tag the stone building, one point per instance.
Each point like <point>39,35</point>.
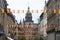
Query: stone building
<point>42,26</point>
<point>53,20</point>
<point>28,28</point>
<point>10,24</point>
<point>5,19</point>
<point>28,25</point>
<point>3,5</point>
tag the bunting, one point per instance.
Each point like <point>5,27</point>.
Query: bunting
<point>2,11</point>
<point>8,11</point>
<point>44,11</point>
<point>13,11</point>
<point>32,11</point>
<point>55,11</point>
<point>59,11</point>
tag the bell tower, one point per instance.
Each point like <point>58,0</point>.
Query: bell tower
<point>28,25</point>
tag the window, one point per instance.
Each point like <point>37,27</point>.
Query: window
<point>0,1</point>
<point>58,37</point>
<point>55,0</point>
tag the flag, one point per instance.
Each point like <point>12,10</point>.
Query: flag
<point>2,10</point>
<point>44,11</point>
<point>32,11</point>
<point>8,10</point>
<point>55,11</point>
<point>41,11</point>
<point>22,11</point>
<point>59,11</point>
<point>13,11</point>
<point>46,26</point>
<point>18,11</point>
<point>37,11</point>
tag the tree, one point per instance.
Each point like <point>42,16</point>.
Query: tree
<point>22,38</point>
<point>38,38</point>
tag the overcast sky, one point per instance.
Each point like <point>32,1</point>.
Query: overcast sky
<point>23,5</point>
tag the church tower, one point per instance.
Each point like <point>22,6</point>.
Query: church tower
<point>28,25</point>
<point>28,17</point>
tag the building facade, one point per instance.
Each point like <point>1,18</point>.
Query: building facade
<point>3,5</point>
<point>42,26</point>
<point>53,20</point>
<point>28,28</point>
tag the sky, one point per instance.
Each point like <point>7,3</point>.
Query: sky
<point>23,5</point>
